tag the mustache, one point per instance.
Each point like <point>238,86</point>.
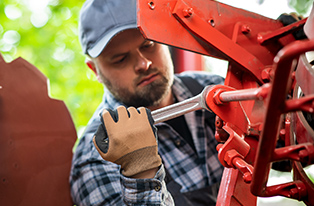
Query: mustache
<point>145,73</point>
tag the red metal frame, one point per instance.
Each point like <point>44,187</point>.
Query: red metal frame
<point>252,107</point>
<point>283,66</point>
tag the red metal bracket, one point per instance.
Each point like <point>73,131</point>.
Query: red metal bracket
<point>211,36</point>
<point>294,190</point>
<point>277,97</point>
<point>267,36</point>
<point>228,111</point>
<point>212,28</point>
<point>303,153</point>
<point>232,153</point>
<point>304,104</point>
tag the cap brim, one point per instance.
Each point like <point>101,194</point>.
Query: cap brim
<point>102,43</point>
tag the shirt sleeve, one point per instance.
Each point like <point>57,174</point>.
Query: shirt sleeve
<point>95,181</point>
<point>147,191</point>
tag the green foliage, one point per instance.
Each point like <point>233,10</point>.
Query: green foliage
<point>44,32</point>
<point>301,6</point>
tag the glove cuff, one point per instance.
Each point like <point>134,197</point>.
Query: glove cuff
<point>139,161</point>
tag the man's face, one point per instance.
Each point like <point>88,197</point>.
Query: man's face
<point>136,71</point>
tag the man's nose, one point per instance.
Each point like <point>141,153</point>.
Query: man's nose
<point>142,63</point>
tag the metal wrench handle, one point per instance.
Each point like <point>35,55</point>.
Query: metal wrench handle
<point>180,108</point>
<point>174,110</point>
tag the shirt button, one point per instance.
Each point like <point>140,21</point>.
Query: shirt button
<point>178,142</point>
<point>157,188</point>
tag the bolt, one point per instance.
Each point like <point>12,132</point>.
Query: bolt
<point>282,133</point>
<point>219,146</point>
<point>266,74</point>
<point>212,22</point>
<point>151,5</point>
<point>245,29</point>
<point>216,96</point>
<point>260,38</point>
<point>247,177</point>
<point>219,123</point>
<point>188,12</point>
<point>294,193</point>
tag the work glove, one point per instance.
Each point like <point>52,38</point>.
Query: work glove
<point>128,138</point>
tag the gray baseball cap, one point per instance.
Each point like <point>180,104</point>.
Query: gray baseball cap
<point>101,20</point>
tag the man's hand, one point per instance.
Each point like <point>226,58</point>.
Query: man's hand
<point>128,137</point>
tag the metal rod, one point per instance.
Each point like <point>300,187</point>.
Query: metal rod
<point>245,94</point>
<point>180,108</point>
<point>177,109</point>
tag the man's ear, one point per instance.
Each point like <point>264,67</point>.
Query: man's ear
<point>92,66</point>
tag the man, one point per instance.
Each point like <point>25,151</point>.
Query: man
<point>139,73</point>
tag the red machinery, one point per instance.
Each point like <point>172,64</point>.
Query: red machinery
<point>268,91</point>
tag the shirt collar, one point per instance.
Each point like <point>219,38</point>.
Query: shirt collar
<point>110,100</point>
<point>180,91</point>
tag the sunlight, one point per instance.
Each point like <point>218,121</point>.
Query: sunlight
<point>269,8</point>
<point>12,12</point>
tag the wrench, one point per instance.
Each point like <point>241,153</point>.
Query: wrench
<point>189,105</point>
<point>169,112</point>
<point>199,102</point>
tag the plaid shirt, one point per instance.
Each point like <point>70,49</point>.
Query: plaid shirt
<point>95,181</point>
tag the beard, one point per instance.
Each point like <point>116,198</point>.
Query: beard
<point>148,96</point>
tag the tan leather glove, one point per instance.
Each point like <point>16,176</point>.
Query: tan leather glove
<point>127,137</point>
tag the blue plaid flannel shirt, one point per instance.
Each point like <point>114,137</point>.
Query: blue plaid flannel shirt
<point>95,181</point>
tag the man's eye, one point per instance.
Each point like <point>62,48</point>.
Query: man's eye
<point>120,60</point>
<point>149,44</point>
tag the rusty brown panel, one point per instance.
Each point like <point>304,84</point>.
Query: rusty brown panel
<point>36,139</point>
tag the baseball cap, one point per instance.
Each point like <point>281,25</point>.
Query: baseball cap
<point>101,20</point>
